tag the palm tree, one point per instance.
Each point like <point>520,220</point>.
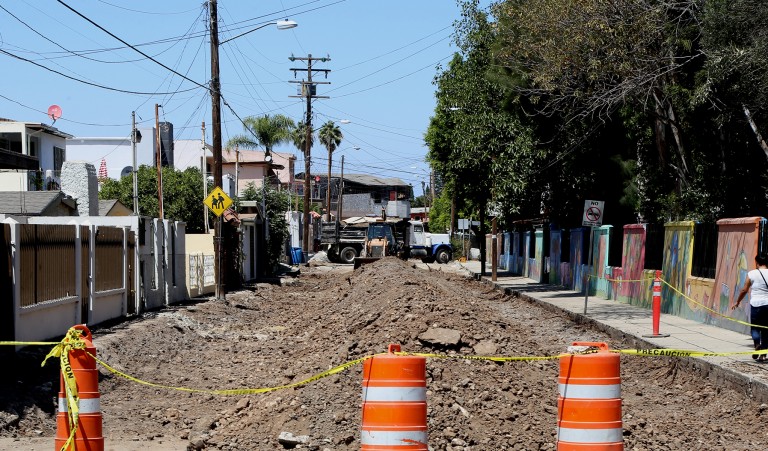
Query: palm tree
<point>266,130</point>
<point>330,136</point>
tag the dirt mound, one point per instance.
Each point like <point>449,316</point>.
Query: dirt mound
<point>279,335</point>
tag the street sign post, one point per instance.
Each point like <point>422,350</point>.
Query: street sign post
<point>592,217</point>
<point>218,202</point>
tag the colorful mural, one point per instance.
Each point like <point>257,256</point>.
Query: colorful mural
<point>537,262</point>
<point>632,262</point>
<point>526,252</point>
<point>737,244</point>
<point>515,264</point>
<point>676,266</point>
<point>555,252</point>
<point>600,245</point>
<point>577,257</point>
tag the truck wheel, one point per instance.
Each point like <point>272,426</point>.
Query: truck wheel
<point>347,255</point>
<point>443,256</point>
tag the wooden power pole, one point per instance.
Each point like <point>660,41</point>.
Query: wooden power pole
<point>308,91</point>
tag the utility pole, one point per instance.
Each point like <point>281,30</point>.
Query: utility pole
<point>135,168</point>
<point>308,91</point>
<point>219,246</point>
<point>158,149</point>
<point>205,183</point>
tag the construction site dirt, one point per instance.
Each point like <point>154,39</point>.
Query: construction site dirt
<point>278,335</point>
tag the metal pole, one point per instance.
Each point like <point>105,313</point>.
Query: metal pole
<point>135,168</point>
<point>588,269</point>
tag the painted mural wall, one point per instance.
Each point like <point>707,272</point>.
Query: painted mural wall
<point>537,263</point>
<point>737,244</point>
<point>555,255</point>
<point>578,259</point>
<point>602,239</point>
<point>676,266</point>
<point>632,262</point>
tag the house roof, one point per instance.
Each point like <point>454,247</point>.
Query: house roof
<point>372,180</point>
<point>113,206</point>
<point>32,203</point>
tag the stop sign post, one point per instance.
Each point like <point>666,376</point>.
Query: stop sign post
<point>592,217</point>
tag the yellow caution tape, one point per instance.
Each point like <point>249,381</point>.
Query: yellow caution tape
<point>481,357</point>
<point>683,352</point>
<point>645,279</point>
<point>714,312</point>
<point>238,391</point>
<point>72,340</point>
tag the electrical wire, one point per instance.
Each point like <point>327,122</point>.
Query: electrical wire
<point>109,88</point>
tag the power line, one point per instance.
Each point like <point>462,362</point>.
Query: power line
<point>109,88</point>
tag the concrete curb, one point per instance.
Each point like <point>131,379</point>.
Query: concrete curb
<point>715,373</point>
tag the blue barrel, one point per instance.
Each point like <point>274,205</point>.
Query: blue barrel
<point>297,256</point>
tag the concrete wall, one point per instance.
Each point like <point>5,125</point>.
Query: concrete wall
<point>199,255</point>
<point>676,266</point>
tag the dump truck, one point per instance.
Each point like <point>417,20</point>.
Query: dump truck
<point>342,241</point>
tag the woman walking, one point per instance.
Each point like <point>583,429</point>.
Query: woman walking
<point>757,287</point>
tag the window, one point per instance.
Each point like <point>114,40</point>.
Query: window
<point>10,142</point>
<point>58,158</point>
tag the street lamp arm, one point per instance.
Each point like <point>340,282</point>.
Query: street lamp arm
<point>281,25</point>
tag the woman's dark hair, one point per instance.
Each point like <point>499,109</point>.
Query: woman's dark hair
<point>761,259</point>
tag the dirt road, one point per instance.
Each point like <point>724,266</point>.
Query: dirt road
<point>278,335</point>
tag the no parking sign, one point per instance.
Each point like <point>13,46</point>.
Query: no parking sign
<point>593,213</point>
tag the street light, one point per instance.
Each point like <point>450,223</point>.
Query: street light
<point>281,25</point>
<point>220,239</point>
<point>135,138</point>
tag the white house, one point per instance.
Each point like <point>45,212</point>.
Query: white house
<point>31,156</point>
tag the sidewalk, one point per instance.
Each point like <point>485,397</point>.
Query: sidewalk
<point>624,321</point>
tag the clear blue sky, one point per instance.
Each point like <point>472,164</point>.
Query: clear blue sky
<point>383,60</point>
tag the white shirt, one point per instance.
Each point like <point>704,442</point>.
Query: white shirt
<point>758,295</point>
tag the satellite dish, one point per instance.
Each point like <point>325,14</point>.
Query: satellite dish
<point>126,171</point>
<point>54,112</point>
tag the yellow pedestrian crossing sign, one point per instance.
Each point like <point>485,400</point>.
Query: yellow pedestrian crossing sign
<point>218,201</point>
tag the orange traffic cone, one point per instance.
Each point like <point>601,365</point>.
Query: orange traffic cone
<point>394,402</point>
<point>88,434</point>
<point>589,404</point>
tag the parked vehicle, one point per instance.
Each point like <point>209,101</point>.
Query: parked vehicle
<point>342,241</point>
<point>430,247</point>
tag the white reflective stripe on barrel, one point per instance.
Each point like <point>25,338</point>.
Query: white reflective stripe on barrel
<point>393,438</point>
<point>614,435</point>
<point>88,405</point>
<point>574,391</point>
<point>395,394</point>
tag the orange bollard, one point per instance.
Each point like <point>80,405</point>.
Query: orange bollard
<point>589,403</point>
<point>88,435</point>
<point>394,402</point>
<point>656,306</point>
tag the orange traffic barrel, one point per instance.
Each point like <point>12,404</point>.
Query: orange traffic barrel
<point>88,435</point>
<point>589,401</point>
<point>394,402</point>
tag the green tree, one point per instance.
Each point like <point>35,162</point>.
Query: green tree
<point>267,131</point>
<point>182,194</point>
<point>276,203</point>
<point>329,136</point>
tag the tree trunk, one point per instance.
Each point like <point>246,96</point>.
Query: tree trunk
<point>758,136</point>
